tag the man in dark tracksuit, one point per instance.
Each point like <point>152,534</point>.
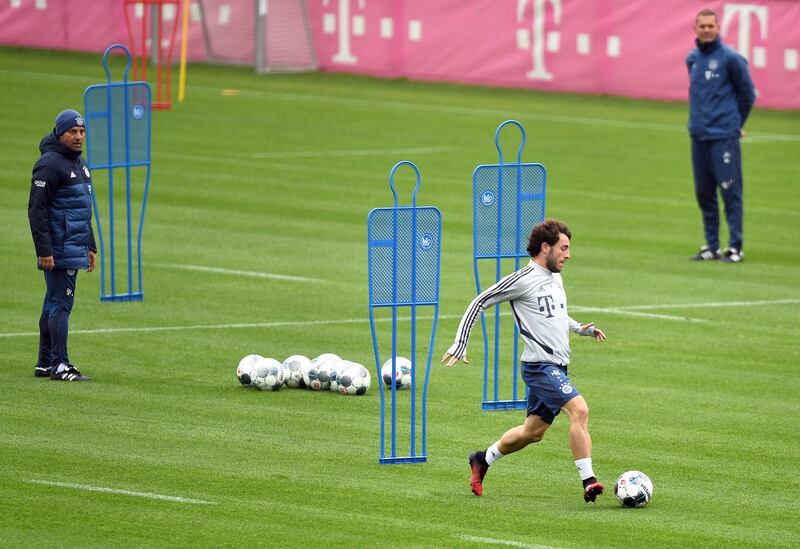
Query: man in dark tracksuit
<point>60,215</point>
<point>721,95</point>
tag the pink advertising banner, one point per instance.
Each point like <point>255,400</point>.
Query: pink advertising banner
<point>633,48</point>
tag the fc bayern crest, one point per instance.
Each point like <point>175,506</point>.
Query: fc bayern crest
<point>487,198</point>
<point>137,112</point>
<point>425,241</point>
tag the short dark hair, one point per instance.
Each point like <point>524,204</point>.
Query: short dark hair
<point>705,12</point>
<point>548,232</point>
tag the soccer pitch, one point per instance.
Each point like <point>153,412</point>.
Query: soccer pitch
<point>253,193</point>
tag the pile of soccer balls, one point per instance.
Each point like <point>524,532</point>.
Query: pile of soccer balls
<point>326,372</point>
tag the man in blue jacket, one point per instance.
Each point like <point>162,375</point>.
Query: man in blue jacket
<point>60,215</point>
<point>721,95</point>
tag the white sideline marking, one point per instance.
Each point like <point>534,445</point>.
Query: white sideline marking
<point>623,311</point>
<point>148,495</point>
<point>512,543</point>
<point>711,305</point>
<point>752,137</point>
<point>256,274</point>
<point>340,153</point>
<point>284,324</point>
<point>308,167</point>
<point>444,109</point>
<point>147,329</point>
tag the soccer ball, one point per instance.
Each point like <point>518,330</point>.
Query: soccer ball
<point>295,366</point>
<point>352,379</point>
<point>267,375</point>
<point>334,380</point>
<point>402,373</point>
<point>633,489</point>
<point>245,367</point>
<point>335,375</point>
<point>323,369</point>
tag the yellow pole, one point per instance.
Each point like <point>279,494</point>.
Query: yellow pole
<point>184,47</point>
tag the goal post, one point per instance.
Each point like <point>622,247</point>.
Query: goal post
<point>271,35</point>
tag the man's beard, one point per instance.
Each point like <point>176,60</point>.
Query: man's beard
<point>552,264</point>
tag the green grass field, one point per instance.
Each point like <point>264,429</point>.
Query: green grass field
<point>697,385</point>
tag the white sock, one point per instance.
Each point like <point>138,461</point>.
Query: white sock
<point>493,453</point>
<point>60,368</point>
<point>584,468</point>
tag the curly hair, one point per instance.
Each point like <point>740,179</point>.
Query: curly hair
<point>548,231</point>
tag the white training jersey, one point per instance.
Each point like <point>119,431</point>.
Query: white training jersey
<point>539,305</point>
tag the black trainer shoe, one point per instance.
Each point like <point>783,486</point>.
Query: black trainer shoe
<point>70,373</point>
<point>591,491</point>
<point>732,255</point>
<point>42,371</point>
<point>478,468</point>
<point>705,254</point>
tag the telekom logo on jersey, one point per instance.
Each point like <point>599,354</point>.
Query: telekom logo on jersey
<point>539,32</point>
<point>546,302</point>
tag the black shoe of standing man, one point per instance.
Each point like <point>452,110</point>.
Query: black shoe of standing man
<point>67,372</point>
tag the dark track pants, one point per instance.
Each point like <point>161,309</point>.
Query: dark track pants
<point>718,163</point>
<point>54,320</point>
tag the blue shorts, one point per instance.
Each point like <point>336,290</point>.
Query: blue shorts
<point>549,389</point>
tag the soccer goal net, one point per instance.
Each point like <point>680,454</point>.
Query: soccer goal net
<point>271,35</point>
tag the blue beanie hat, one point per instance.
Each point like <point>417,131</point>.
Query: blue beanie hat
<point>67,119</point>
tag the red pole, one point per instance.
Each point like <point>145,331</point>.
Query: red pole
<point>171,49</point>
<point>162,101</point>
<point>157,43</point>
<point>143,55</point>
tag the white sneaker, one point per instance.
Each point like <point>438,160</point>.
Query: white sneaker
<point>732,255</point>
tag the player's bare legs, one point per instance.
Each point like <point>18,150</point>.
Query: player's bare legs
<point>579,440</point>
<point>512,440</point>
<point>520,436</point>
<point>581,444</point>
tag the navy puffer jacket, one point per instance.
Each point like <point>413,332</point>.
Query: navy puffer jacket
<point>60,206</point>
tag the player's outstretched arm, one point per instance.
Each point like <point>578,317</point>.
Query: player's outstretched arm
<point>506,289</point>
<point>449,358</point>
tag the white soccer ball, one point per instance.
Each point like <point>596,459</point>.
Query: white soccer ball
<point>268,375</point>
<point>402,373</point>
<point>245,368</point>
<point>334,378</point>
<point>296,366</point>
<point>323,368</point>
<point>633,489</point>
<point>352,379</point>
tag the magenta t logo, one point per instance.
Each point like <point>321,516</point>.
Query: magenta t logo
<point>744,12</point>
<point>535,38</point>
<point>347,27</point>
